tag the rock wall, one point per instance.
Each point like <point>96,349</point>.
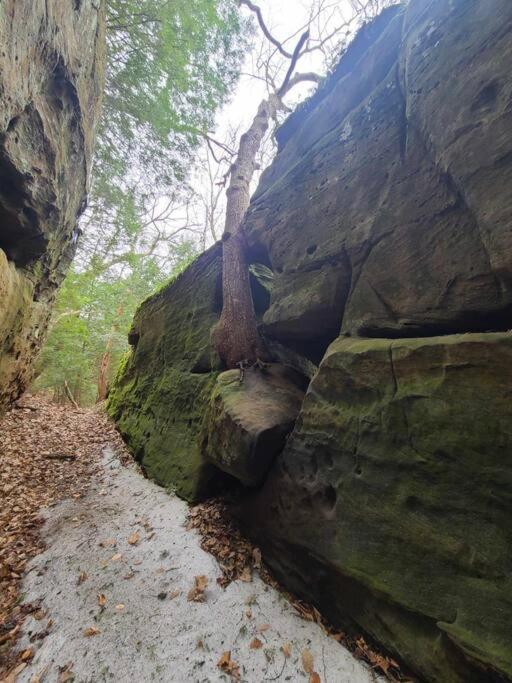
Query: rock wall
<point>51,79</point>
<point>386,219</point>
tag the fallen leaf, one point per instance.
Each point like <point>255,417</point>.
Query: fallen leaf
<point>255,644</point>
<point>314,678</point>
<point>108,543</point>
<point>134,538</point>
<point>120,606</point>
<point>263,628</point>
<point>196,593</point>
<point>81,578</point>
<point>91,631</point>
<point>14,673</point>
<point>26,655</point>
<point>102,599</point>
<point>174,594</point>
<point>65,673</point>
<point>116,557</point>
<point>307,661</point>
<point>230,667</point>
<point>286,649</point>
<point>246,575</point>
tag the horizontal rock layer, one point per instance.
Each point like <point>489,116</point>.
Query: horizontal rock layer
<point>51,79</point>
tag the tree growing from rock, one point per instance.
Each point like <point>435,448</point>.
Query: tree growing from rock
<point>236,336</point>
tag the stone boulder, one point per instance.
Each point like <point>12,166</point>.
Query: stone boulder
<point>248,420</point>
<point>51,80</point>
<point>390,506</point>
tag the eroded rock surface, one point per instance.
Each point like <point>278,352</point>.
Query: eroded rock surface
<point>387,211</point>
<point>248,419</point>
<point>391,502</point>
<point>51,80</point>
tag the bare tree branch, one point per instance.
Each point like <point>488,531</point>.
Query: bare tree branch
<point>257,11</point>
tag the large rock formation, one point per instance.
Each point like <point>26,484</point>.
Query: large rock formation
<point>164,386</point>
<point>391,503</point>
<point>386,219</point>
<point>51,80</point>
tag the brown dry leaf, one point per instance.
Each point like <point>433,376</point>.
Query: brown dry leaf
<point>134,538</point>
<point>120,606</point>
<point>246,575</point>
<point>38,678</point>
<point>196,593</point>
<point>314,678</point>
<point>263,628</point>
<point>91,631</point>
<point>248,613</point>
<point>109,543</point>
<point>307,661</point>
<point>14,673</point>
<point>66,674</point>
<point>255,644</point>
<point>174,594</point>
<point>27,655</point>
<point>81,578</point>
<point>102,599</point>
<point>286,649</point>
<point>116,557</point>
<point>230,667</point>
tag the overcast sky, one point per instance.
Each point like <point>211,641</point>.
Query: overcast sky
<point>284,18</point>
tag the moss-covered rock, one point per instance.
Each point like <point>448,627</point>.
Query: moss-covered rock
<point>163,386</point>
<point>392,501</point>
<point>248,421</point>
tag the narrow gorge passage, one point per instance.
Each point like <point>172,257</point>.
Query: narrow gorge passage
<point>110,595</point>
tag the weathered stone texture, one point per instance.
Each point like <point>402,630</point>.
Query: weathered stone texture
<point>391,502</point>
<point>393,192</point>
<point>248,419</point>
<point>51,80</point>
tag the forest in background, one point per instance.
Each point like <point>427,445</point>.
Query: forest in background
<point>158,185</point>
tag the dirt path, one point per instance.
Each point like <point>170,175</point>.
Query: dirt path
<point>113,589</point>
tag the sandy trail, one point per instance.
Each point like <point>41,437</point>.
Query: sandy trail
<point>146,634</point>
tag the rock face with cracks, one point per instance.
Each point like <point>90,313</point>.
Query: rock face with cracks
<point>51,80</point>
<point>386,221</point>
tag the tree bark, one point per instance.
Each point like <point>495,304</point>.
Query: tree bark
<point>236,335</point>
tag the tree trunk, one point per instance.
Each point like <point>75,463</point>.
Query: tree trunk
<point>236,335</point>
<point>103,373</point>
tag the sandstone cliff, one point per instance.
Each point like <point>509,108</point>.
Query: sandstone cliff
<point>386,222</point>
<point>51,80</point>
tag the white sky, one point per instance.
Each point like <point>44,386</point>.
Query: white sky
<point>283,18</point>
